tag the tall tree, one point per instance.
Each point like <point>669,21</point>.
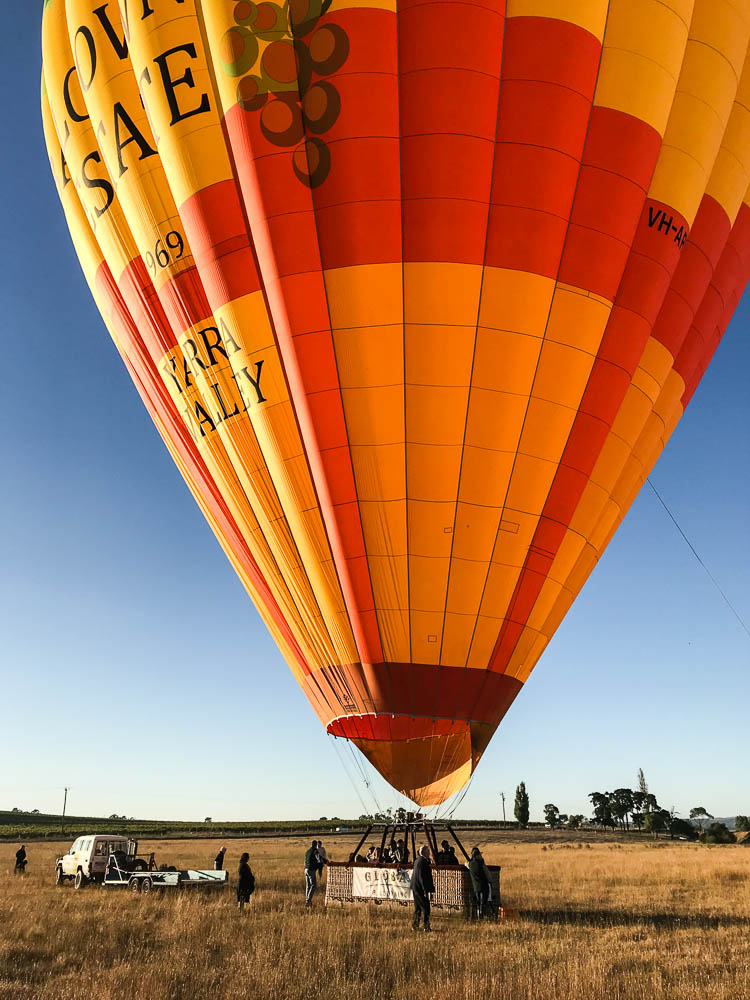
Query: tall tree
<point>602,803</point>
<point>622,805</point>
<point>742,823</point>
<point>643,789</point>
<point>521,806</point>
<point>639,802</point>
<point>552,816</point>
<point>699,813</point>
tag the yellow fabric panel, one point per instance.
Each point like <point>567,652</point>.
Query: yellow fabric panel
<point>705,94</point>
<point>544,604</point>
<point>512,433</point>
<point>433,469</point>
<point>369,356</point>
<point>362,4</point>
<point>389,576</point>
<point>366,309</point>
<point>183,144</point>
<point>641,58</point>
<point>524,645</point>
<point>656,361</point>
<point>136,171</point>
<point>567,555</point>
<point>505,361</point>
<point>457,632</point>
<point>374,416</point>
<point>384,526</point>
<point>426,630</point>
<point>476,528</point>
<point>590,15</point>
<point>443,294</point>
<point>485,634</point>
<point>485,475</point>
<point>538,647</point>
<point>435,414</point>
<point>439,355</point>
<point>612,511</point>
<point>731,173</point>
<point>494,423</point>
<point>514,534</point>
<point>515,300</point>
<point>87,249</point>
<point>379,473</point>
<point>546,429</point>
<point>577,318</point>
<point>530,484</point>
<point>631,416</point>
<point>645,384</point>
<point>430,528</point>
<point>562,374</point>
<point>108,224</point>
<point>394,634</point>
<point>369,295</point>
<point>607,468</point>
<point>466,586</point>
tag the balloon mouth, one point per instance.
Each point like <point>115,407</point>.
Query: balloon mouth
<point>423,726</point>
<point>428,767</point>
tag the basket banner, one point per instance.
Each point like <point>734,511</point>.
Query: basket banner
<point>381,883</point>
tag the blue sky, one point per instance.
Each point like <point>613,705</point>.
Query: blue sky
<point>134,669</point>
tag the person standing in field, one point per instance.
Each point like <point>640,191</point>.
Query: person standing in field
<point>245,881</point>
<point>322,857</point>
<point>219,859</point>
<point>480,882</point>
<point>421,886</point>
<point>313,862</point>
<point>21,862</point>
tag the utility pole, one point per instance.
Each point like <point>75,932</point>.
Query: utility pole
<point>62,821</point>
<point>502,796</point>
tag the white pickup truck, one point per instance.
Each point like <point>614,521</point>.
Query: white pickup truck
<point>86,861</point>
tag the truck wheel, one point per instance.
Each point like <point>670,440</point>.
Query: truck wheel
<point>146,885</point>
<point>80,880</point>
<point>134,885</point>
<point>59,877</point>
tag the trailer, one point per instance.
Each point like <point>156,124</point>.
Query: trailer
<point>138,873</point>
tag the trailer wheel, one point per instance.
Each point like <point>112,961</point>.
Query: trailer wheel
<point>146,885</point>
<point>80,880</point>
<point>134,885</point>
<point>59,877</point>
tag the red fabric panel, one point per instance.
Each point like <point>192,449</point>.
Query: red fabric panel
<point>448,116</point>
<point>548,78</point>
<point>716,310</point>
<point>425,693</point>
<point>698,261</point>
<point>215,227</point>
<point>618,162</point>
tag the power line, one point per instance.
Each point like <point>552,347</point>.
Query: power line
<point>692,549</point>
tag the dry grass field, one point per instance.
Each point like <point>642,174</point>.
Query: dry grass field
<point>597,920</point>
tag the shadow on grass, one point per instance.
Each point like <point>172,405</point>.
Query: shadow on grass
<point>624,918</point>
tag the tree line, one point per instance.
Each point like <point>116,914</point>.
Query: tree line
<point>638,809</point>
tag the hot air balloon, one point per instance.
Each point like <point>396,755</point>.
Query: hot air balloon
<point>415,294</point>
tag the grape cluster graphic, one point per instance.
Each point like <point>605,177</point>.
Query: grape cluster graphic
<point>282,55</point>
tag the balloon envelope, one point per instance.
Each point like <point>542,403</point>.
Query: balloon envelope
<point>415,294</point>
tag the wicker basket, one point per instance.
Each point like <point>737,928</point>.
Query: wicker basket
<point>453,889</point>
